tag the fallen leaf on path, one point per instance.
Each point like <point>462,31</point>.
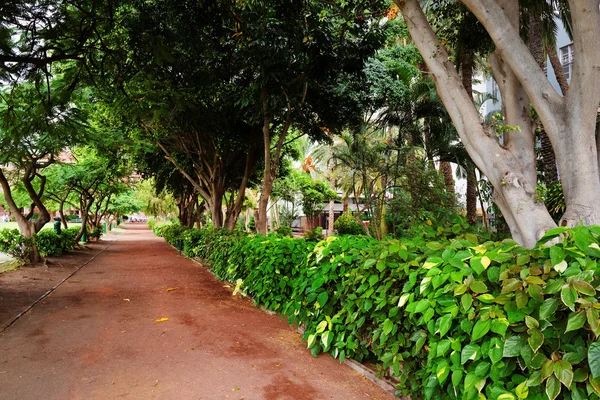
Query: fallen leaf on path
<point>235,389</point>
<point>162,319</point>
<point>169,289</point>
<point>126,300</point>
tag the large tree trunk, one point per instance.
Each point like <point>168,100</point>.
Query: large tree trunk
<point>569,120</point>
<point>507,167</point>
<point>27,228</point>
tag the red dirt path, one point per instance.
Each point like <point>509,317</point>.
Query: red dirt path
<point>96,337</point>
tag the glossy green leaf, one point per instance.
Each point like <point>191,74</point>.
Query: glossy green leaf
<point>442,371</point>
<point>576,321</point>
<point>564,372</point>
<point>322,298</point>
<point>469,352</point>
<point>478,287</point>
<point>552,387</point>
<point>388,325</point>
<point>321,327</point>
<point>466,300</point>
<point>480,329</point>
<point>568,297</point>
<point>512,346</point>
<point>457,376</point>
<point>594,359</point>
<point>445,324</point>
<point>548,308</point>
<point>536,339</point>
<point>584,288</point>
<point>522,390</point>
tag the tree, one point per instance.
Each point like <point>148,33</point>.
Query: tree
<point>314,195</point>
<point>298,52</point>
<point>158,204</point>
<point>37,124</point>
<point>569,121</point>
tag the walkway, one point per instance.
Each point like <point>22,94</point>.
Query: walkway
<point>97,337</point>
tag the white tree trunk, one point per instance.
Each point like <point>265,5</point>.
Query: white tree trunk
<point>507,168</point>
<point>569,120</point>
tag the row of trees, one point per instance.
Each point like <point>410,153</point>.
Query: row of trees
<point>223,90</point>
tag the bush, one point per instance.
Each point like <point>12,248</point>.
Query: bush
<point>314,235</point>
<point>14,244</point>
<point>458,318</point>
<point>97,232</point>
<point>51,244</point>
<point>47,242</point>
<point>151,222</point>
<point>347,225</point>
<point>284,231</point>
<point>158,227</point>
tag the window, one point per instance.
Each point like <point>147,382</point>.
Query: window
<point>495,90</point>
<point>566,59</point>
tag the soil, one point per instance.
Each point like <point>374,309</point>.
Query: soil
<point>97,336</point>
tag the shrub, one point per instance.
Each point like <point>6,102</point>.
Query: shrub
<point>314,235</point>
<point>159,226</point>
<point>458,318</point>
<point>14,244</point>
<point>348,225</point>
<point>96,233</point>
<point>151,223</point>
<point>48,243</point>
<point>284,231</point>
<point>51,244</point>
<point>171,233</point>
<point>191,238</point>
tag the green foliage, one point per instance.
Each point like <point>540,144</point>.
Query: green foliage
<point>346,224</point>
<point>555,200</point>
<point>284,230</point>
<point>51,244</point>
<point>314,235</point>
<point>314,195</point>
<point>14,244</point>
<point>169,231</point>
<point>96,233</point>
<point>451,318</point>
<point>47,242</point>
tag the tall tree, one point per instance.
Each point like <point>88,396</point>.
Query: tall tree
<point>569,121</point>
<point>36,125</point>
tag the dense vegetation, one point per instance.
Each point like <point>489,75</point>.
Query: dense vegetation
<point>448,314</point>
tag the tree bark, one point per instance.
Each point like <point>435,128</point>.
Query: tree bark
<point>467,81</point>
<point>569,120</point>
<point>233,214</point>
<point>446,171</point>
<point>26,228</point>
<point>471,196</point>
<point>502,165</point>
<point>559,72</point>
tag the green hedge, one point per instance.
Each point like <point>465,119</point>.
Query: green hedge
<point>459,318</point>
<point>47,241</point>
